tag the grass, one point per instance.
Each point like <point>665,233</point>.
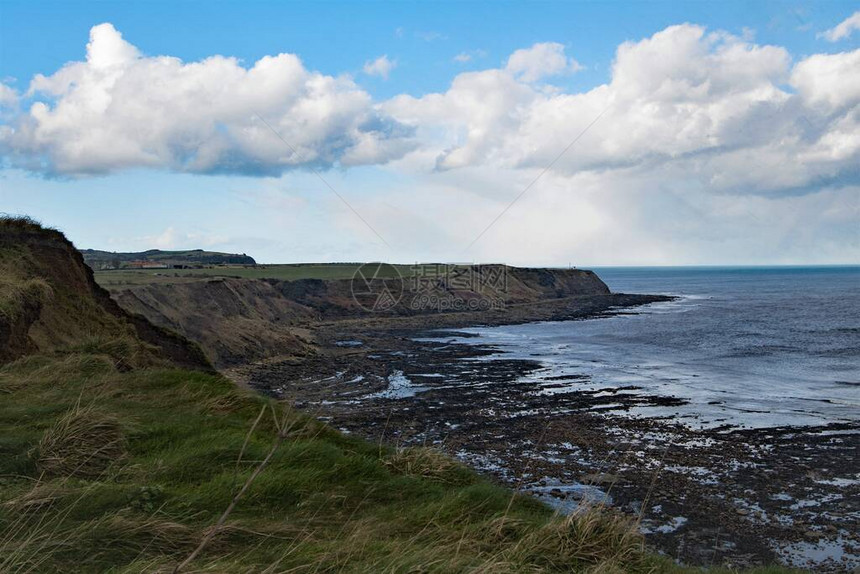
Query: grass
<point>82,443</point>
<point>17,292</point>
<point>119,278</point>
<point>289,272</point>
<point>16,295</point>
<point>103,469</point>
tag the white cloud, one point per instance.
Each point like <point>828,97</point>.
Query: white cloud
<point>430,36</point>
<point>471,119</point>
<point>830,80</point>
<point>381,67</point>
<point>106,48</point>
<point>171,238</point>
<point>685,106</point>
<point>844,29</point>
<point>119,109</point>
<point>684,102</point>
<point>464,57</point>
<point>710,148</point>
<point>541,61</point>
<point>8,96</point>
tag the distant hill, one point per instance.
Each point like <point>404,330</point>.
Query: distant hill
<point>155,258</point>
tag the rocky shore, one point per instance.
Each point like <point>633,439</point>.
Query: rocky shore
<point>728,496</point>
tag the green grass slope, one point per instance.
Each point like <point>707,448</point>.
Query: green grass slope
<point>123,278</point>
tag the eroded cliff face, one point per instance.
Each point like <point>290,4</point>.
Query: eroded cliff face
<point>535,284</point>
<point>49,302</point>
<point>242,320</point>
<point>233,320</point>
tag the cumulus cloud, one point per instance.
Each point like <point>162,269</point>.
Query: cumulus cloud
<point>381,67</point>
<point>683,105</point>
<point>844,29</point>
<point>541,61</point>
<point>8,96</point>
<point>464,57</point>
<point>121,109</point>
<point>683,102</point>
<point>829,81</point>
<point>700,147</point>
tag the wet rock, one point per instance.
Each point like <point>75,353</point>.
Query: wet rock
<point>599,478</point>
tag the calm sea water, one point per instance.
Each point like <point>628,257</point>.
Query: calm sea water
<point>750,347</point>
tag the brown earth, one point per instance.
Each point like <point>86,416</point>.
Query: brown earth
<point>237,321</point>
<point>49,302</point>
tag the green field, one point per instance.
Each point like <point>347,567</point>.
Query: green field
<point>117,279</point>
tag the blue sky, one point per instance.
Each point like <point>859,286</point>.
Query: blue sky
<point>428,175</point>
<point>337,37</point>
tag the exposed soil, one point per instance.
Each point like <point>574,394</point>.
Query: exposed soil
<point>68,307</point>
<point>724,496</point>
<point>237,320</point>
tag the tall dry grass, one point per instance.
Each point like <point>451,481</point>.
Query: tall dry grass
<point>83,443</point>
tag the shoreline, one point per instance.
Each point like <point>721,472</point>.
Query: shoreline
<point>701,495</point>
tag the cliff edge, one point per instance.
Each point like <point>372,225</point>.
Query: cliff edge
<point>50,302</point>
<point>239,320</point>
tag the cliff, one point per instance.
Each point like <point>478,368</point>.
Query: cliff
<point>234,320</point>
<point>49,302</point>
<point>239,320</point>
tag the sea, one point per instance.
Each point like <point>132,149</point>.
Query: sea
<point>744,347</point>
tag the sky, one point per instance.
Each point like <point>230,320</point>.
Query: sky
<point>529,133</point>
